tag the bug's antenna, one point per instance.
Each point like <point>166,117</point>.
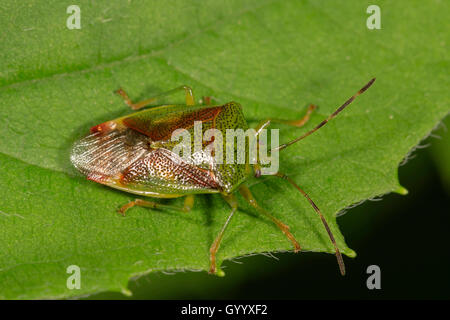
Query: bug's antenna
<point>340,261</point>
<point>331,116</point>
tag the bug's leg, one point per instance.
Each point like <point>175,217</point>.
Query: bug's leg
<point>296,123</point>
<point>327,228</point>
<point>245,192</point>
<point>188,204</point>
<point>139,105</point>
<point>206,100</point>
<point>231,200</point>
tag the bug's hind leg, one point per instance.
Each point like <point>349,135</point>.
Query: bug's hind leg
<point>190,101</point>
<point>231,200</point>
<point>245,192</point>
<point>188,204</point>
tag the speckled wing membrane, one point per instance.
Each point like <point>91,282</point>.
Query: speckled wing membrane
<point>103,156</point>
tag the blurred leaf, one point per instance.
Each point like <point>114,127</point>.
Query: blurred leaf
<point>273,57</point>
<point>440,149</point>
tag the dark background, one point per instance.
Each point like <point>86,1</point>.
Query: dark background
<point>406,236</point>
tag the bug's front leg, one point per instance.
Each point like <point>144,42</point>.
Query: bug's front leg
<point>188,204</point>
<point>231,200</point>
<point>245,191</point>
<point>324,221</point>
<point>208,100</point>
<point>296,123</point>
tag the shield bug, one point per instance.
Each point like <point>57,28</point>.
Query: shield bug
<point>135,154</point>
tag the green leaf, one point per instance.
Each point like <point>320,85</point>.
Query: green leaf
<point>274,57</point>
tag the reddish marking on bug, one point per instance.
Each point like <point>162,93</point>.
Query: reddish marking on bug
<point>104,127</point>
<point>163,130</point>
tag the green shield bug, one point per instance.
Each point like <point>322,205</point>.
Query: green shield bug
<point>136,154</point>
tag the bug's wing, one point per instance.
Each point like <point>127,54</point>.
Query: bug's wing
<point>124,160</point>
<point>100,156</point>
